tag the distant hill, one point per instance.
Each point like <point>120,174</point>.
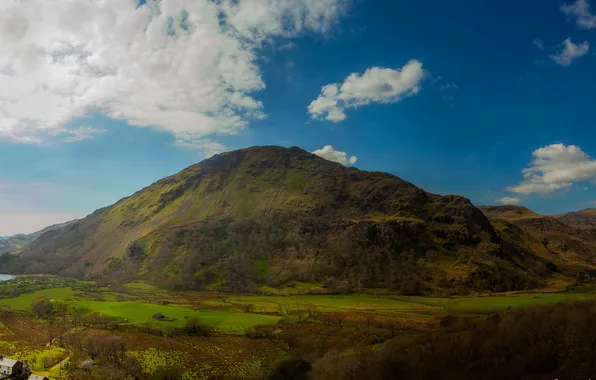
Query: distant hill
<point>583,218</point>
<point>14,243</point>
<point>571,248</point>
<point>273,215</point>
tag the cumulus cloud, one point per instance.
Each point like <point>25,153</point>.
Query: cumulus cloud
<point>187,67</point>
<point>508,200</point>
<point>580,10</point>
<point>331,154</point>
<point>570,52</point>
<point>555,167</point>
<point>376,85</point>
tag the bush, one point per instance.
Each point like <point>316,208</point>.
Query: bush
<point>42,307</point>
<point>260,331</point>
<point>293,369</point>
<point>194,326</point>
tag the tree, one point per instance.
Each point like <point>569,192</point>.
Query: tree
<point>194,326</point>
<point>42,307</point>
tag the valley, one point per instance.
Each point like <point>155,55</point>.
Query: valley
<point>241,335</point>
<point>273,263</point>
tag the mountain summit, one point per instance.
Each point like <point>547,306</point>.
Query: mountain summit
<point>271,215</point>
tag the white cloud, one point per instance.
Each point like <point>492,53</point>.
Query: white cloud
<point>331,154</point>
<point>555,167</point>
<point>538,42</point>
<point>187,67</point>
<point>435,80</point>
<point>376,85</point>
<point>570,52</point>
<point>580,10</point>
<point>82,133</point>
<point>445,87</point>
<point>508,200</point>
<point>207,147</point>
<point>288,46</point>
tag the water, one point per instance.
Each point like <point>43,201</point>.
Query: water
<point>6,277</point>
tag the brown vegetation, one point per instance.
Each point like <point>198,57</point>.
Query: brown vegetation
<point>539,343</point>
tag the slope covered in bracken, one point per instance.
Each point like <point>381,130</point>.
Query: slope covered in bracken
<point>584,218</point>
<point>572,249</point>
<point>272,215</point>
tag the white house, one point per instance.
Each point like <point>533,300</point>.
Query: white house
<point>10,366</point>
<point>37,377</point>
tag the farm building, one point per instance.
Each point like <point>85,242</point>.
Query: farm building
<point>10,366</point>
<point>37,377</point>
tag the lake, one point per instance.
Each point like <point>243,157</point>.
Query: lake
<point>6,277</point>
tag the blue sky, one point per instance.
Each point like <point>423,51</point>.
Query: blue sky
<point>456,97</point>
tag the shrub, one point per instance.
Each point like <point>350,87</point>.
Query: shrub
<point>42,307</point>
<point>194,326</point>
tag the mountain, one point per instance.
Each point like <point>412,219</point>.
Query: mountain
<point>15,242</point>
<point>583,218</point>
<point>272,215</point>
<point>572,249</point>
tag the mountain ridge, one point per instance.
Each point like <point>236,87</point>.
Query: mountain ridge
<point>15,242</point>
<point>270,215</point>
<point>585,218</point>
<point>571,248</point>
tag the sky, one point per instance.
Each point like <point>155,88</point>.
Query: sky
<point>492,100</point>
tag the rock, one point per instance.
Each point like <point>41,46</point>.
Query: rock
<point>87,364</point>
<point>158,316</point>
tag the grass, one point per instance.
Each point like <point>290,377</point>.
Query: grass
<point>143,286</point>
<point>293,288</point>
<point>338,302</point>
<point>414,305</point>
<point>140,313</point>
<point>494,304</point>
<point>230,319</point>
<point>23,301</point>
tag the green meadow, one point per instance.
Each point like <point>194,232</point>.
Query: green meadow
<point>405,305</point>
<point>136,313</point>
<point>227,311</point>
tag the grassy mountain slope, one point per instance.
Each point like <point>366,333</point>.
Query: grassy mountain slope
<point>16,242</point>
<point>583,218</point>
<point>271,215</point>
<point>572,249</point>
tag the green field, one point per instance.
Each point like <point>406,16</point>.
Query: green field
<point>141,312</point>
<point>413,305</point>
<point>226,312</point>
<point>142,286</point>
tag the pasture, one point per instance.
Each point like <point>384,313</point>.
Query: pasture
<point>306,317</point>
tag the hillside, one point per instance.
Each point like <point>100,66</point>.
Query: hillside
<point>583,218</point>
<point>571,248</point>
<point>272,215</point>
<point>16,242</point>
